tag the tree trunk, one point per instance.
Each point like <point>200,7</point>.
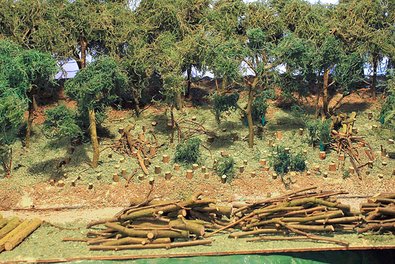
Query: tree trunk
<point>325,103</point>
<point>224,84</point>
<point>189,81</point>
<point>95,142</point>
<point>172,124</point>
<point>83,45</point>
<point>374,77</point>
<point>29,126</point>
<point>249,118</point>
<point>178,101</point>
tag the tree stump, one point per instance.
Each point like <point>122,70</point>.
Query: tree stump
<point>384,163</point>
<point>124,173</point>
<point>210,139</point>
<point>189,174</point>
<point>224,153</point>
<point>157,169</point>
<point>332,166</point>
<point>322,155</point>
<point>204,169</point>
<point>274,176</point>
<point>115,177</point>
<point>325,174</point>
<point>370,164</point>
<point>223,178</point>
<point>90,186</point>
<point>370,115</point>
<point>151,180</point>
<point>342,157</point>
<point>152,151</point>
<point>154,123</point>
<point>193,118</point>
<point>168,175</point>
<point>195,166</point>
<point>147,162</point>
<point>245,162</point>
<point>279,135</point>
<point>390,141</point>
<point>266,168</point>
<point>241,169</point>
<point>98,176</point>
<point>165,158</point>
<point>351,170</point>
<point>140,177</point>
<point>301,130</point>
<point>134,153</point>
<point>287,150</point>
<point>73,183</point>
<point>253,174</point>
<point>176,167</point>
<point>52,182</point>
<point>206,175</point>
<point>263,162</point>
<point>60,183</point>
<point>122,160</point>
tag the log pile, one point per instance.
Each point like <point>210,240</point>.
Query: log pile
<point>159,224</point>
<point>14,230</point>
<point>143,147</point>
<point>346,142</point>
<point>296,216</point>
<point>379,213</point>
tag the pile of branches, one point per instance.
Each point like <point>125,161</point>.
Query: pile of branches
<point>296,216</point>
<point>141,147</point>
<point>187,129</point>
<point>159,224</point>
<point>345,141</point>
<point>379,213</point>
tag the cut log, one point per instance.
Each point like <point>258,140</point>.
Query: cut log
<point>254,232</point>
<point>158,233</point>
<point>136,240</point>
<point>11,224</point>
<point>16,239</point>
<point>275,238</point>
<point>187,225</point>
<point>316,228</point>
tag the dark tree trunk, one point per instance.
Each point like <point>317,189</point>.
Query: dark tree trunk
<point>249,113</point>
<point>83,45</point>
<point>374,77</point>
<point>30,118</point>
<point>189,81</point>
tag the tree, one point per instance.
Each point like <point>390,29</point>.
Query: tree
<point>94,88</point>
<point>28,73</point>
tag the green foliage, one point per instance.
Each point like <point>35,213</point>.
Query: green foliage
<point>225,166</point>
<point>319,132</point>
<point>346,174</point>
<point>387,113</point>
<point>259,107</point>
<point>60,121</point>
<point>223,103</point>
<point>283,162</point>
<point>96,87</point>
<point>188,152</point>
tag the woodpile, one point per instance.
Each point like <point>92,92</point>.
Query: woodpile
<point>379,213</point>
<point>345,142</point>
<point>296,216</point>
<point>14,230</point>
<point>159,224</point>
<point>142,147</point>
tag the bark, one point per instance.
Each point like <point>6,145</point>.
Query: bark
<point>375,227</point>
<point>316,228</point>
<point>95,142</point>
<point>375,61</point>
<point>325,101</point>
<point>189,226</point>
<point>249,117</point>
<point>254,232</point>
<point>151,246</point>
<point>263,238</point>
<point>158,233</point>
<point>83,46</point>
<point>20,236</point>
<point>29,126</point>
<point>136,240</point>
<point>189,81</point>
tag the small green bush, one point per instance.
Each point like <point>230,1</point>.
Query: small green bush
<point>61,122</point>
<point>226,166</point>
<point>283,162</point>
<point>222,103</point>
<point>319,132</point>
<point>188,152</point>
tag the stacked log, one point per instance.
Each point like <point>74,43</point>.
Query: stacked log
<point>299,215</point>
<point>159,224</point>
<point>13,231</point>
<point>379,214</point>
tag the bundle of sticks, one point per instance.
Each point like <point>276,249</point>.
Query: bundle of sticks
<point>159,224</point>
<point>349,144</point>
<point>295,216</point>
<point>379,213</point>
<point>142,147</point>
<point>187,128</point>
<point>14,230</point>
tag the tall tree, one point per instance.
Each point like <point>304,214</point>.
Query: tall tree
<point>94,88</point>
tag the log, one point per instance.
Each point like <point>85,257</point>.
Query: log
<point>306,211</point>
<point>187,225</point>
<point>151,246</point>
<point>341,220</point>
<point>3,222</point>
<point>11,224</point>
<point>262,238</point>
<point>143,233</point>
<point>141,162</point>
<point>16,230</point>
<point>222,210</point>
<point>375,227</point>
<point>74,239</point>
<point>136,240</point>
<point>386,211</point>
<point>327,228</point>
<point>254,232</point>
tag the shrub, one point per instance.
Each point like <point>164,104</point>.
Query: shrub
<point>222,103</point>
<point>188,151</point>
<point>387,114</point>
<point>225,166</point>
<point>259,108</point>
<point>283,162</point>
<point>61,122</point>
<point>319,132</point>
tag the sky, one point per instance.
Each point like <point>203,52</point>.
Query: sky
<point>70,68</point>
